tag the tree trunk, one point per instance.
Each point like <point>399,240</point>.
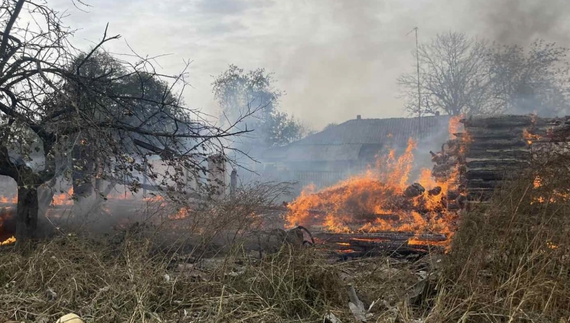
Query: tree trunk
<point>45,196</point>
<point>27,213</point>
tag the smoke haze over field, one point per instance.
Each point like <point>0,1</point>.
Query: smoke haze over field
<point>334,58</point>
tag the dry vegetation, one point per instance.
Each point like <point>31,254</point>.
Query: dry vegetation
<point>509,263</point>
<point>510,260</point>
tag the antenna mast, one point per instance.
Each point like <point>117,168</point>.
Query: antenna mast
<point>418,71</point>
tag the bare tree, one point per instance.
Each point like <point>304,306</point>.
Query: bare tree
<point>462,75</point>
<point>530,80</point>
<point>453,77</point>
<point>47,108</point>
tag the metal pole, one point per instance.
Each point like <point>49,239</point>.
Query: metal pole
<point>419,88</point>
<point>418,71</point>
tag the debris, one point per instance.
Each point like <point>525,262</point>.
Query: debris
<point>331,318</point>
<point>70,318</point>
<point>50,294</point>
<point>435,191</point>
<point>417,289</point>
<point>357,307</point>
<point>414,190</point>
<point>235,273</point>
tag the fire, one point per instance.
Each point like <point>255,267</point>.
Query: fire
<point>158,199</point>
<point>8,241</point>
<point>454,124</point>
<point>5,200</point>
<point>375,201</point>
<point>551,245</point>
<point>181,214</point>
<point>529,137</point>
<point>555,195</point>
<point>63,198</point>
<point>537,182</point>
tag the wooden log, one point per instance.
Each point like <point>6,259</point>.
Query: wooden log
<point>499,154</point>
<point>486,175</point>
<point>392,250</point>
<point>452,206</point>
<point>498,144</point>
<point>479,194</point>
<point>478,183</point>
<point>503,121</point>
<point>496,133</point>
<point>496,163</point>
<point>452,195</point>
<point>377,236</point>
<point>443,168</point>
<point>361,218</point>
<point>414,190</point>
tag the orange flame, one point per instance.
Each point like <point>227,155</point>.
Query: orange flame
<point>6,200</point>
<point>8,241</point>
<point>537,182</point>
<point>551,245</point>
<point>529,137</point>
<point>454,124</point>
<point>181,214</point>
<point>374,201</point>
<point>63,198</point>
<point>555,195</point>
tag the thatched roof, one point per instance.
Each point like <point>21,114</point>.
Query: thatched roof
<point>350,140</point>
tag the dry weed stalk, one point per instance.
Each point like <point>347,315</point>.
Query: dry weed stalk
<point>510,259</point>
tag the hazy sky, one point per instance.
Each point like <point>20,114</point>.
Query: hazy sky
<point>333,58</point>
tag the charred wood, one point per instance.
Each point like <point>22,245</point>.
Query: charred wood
<point>492,175</point>
<point>498,154</point>
<point>479,183</point>
<point>479,194</point>
<point>443,168</point>
<point>504,164</point>
<point>498,144</point>
<point>435,191</point>
<point>476,134</point>
<point>414,190</point>
<point>377,237</point>
<point>504,121</point>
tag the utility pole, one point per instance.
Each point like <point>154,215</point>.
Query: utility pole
<point>418,71</point>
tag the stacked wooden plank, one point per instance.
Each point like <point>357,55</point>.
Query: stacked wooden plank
<point>497,149</point>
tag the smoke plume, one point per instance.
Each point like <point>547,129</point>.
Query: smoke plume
<point>522,21</point>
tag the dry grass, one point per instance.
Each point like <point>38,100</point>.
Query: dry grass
<point>169,271</point>
<point>132,281</point>
<point>510,260</point>
<point>72,275</point>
